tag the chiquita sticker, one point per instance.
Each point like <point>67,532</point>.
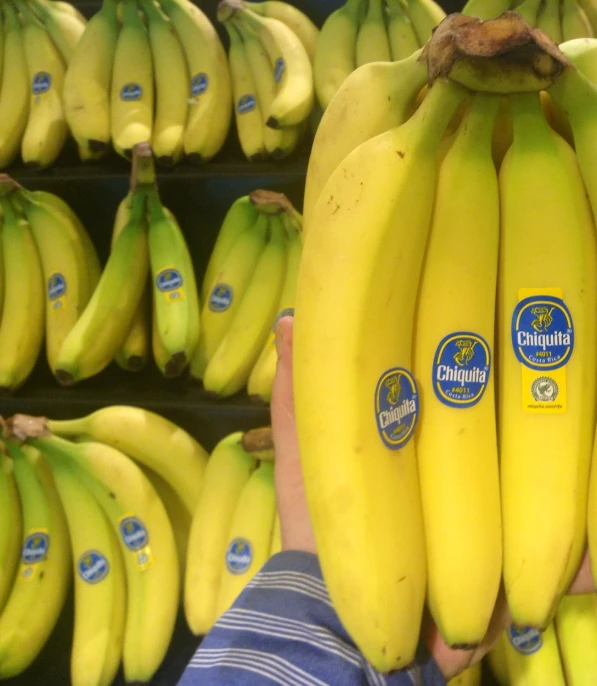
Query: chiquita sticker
<point>133,532</point>
<point>56,290</point>
<point>461,369</point>
<point>239,556</point>
<point>246,103</point>
<point>34,551</point>
<point>542,333</point>
<point>220,298</point>
<point>396,407</point>
<point>526,640</point>
<point>131,92</point>
<point>41,83</point>
<point>170,282</point>
<point>279,68</point>
<point>93,567</point>
<point>199,84</point>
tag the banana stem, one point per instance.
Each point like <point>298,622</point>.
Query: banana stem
<point>528,117</point>
<point>143,169</point>
<point>66,427</point>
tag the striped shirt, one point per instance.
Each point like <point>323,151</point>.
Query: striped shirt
<point>283,630</point>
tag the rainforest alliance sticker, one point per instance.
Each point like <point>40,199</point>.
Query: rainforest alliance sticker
<point>42,82</point>
<point>461,369</point>
<point>93,567</point>
<point>220,298</point>
<point>169,281</point>
<point>35,547</point>
<point>279,68</point>
<point>246,103</point>
<point>199,84</point>
<point>396,407</point>
<point>133,532</point>
<point>131,92</point>
<point>239,556</point>
<point>526,639</point>
<point>542,333</point>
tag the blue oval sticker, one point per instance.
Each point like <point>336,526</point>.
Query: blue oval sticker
<point>220,298</point>
<point>525,639</point>
<point>93,567</point>
<point>133,532</point>
<point>42,82</point>
<point>461,369</point>
<point>246,103</point>
<point>542,333</point>
<point>56,286</point>
<point>169,280</point>
<point>396,407</point>
<point>131,92</point>
<point>199,84</point>
<point>279,68</point>
<point>239,556</point>
<point>35,548</point>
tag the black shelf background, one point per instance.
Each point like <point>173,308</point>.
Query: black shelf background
<point>199,196</point>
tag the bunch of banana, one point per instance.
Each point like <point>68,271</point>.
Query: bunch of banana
<point>272,74</point>
<point>249,283</point>
<point>93,478</point>
<point>365,31</point>
<point>234,529</point>
<point>160,77</point>
<point>562,20</point>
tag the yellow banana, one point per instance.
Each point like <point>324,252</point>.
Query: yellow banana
<point>425,16</point>
<point>372,42</point>
<point>575,23</point>
<point>401,34</point>
<point>533,658</point>
<point>548,19</point>
<point>11,530</point>
<point>576,629</point>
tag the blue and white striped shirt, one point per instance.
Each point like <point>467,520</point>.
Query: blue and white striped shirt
<point>283,630</point>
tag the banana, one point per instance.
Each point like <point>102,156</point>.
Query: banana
<point>453,351</point>
<point>100,584</point>
<point>132,89</point>
<point>502,133</point>
<point>276,546</point>
<point>366,223</point>
<point>11,529</point>
<point>261,380</point>
<point>575,23</point>
<point>470,677</point>
<point>402,37</point>
<point>546,367</point>
<point>46,129</point>
<point>43,577</point>
<point>65,269</point>
<point>240,217</point>
<point>293,72</point>
<point>226,292</point>
<point>69,9</point>
<point>590,9</point>
<point>374,99</point>
<point>22,323</point>
<point>296,20</point>
<point>250,536</point>
<point>149,439</point>
<point>88,80</point>
<point>335,56</point>
<point>486,9</point>
<point>372,41</point>
<point>529,10</point>
<point>14,88</point>
<point>425,16</point>
<point>210,111</point>
<point>278,143</point>
<point>2,46</point>
<point>227,472</point>
<point>582,52</point>
<point>496,658</point>
<point>64,29</point>
<point>146,540</point>
<point>179,516</point>
<point>533,658</point>
<point>105,322</point>
<point>576,629</point>
<point>229,368</point>
<point>175,298</point>
<point>247,109</point>
<point>172,85</point>
<point>548,19</point>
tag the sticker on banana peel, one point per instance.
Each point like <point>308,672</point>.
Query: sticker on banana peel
<point>279,68</point>
<point>56,290</point>
<point>34,551</point>
<point>461,369</point>
<point>543,342</point>
<point>526,639</point>
<point>246,104</point>
<point>133,532</point>
<point>199,84</point>
<point>542,332</point>
<point>41,83</point>
<point>131,92</point>
<point>220,298</point>
<point>169,281</point>
<point>93,567</point>
<point>396,407</point>
<point>239,556</point>
<point>286,312</point>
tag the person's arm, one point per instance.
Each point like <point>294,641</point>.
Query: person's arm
<point>283,630</point>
